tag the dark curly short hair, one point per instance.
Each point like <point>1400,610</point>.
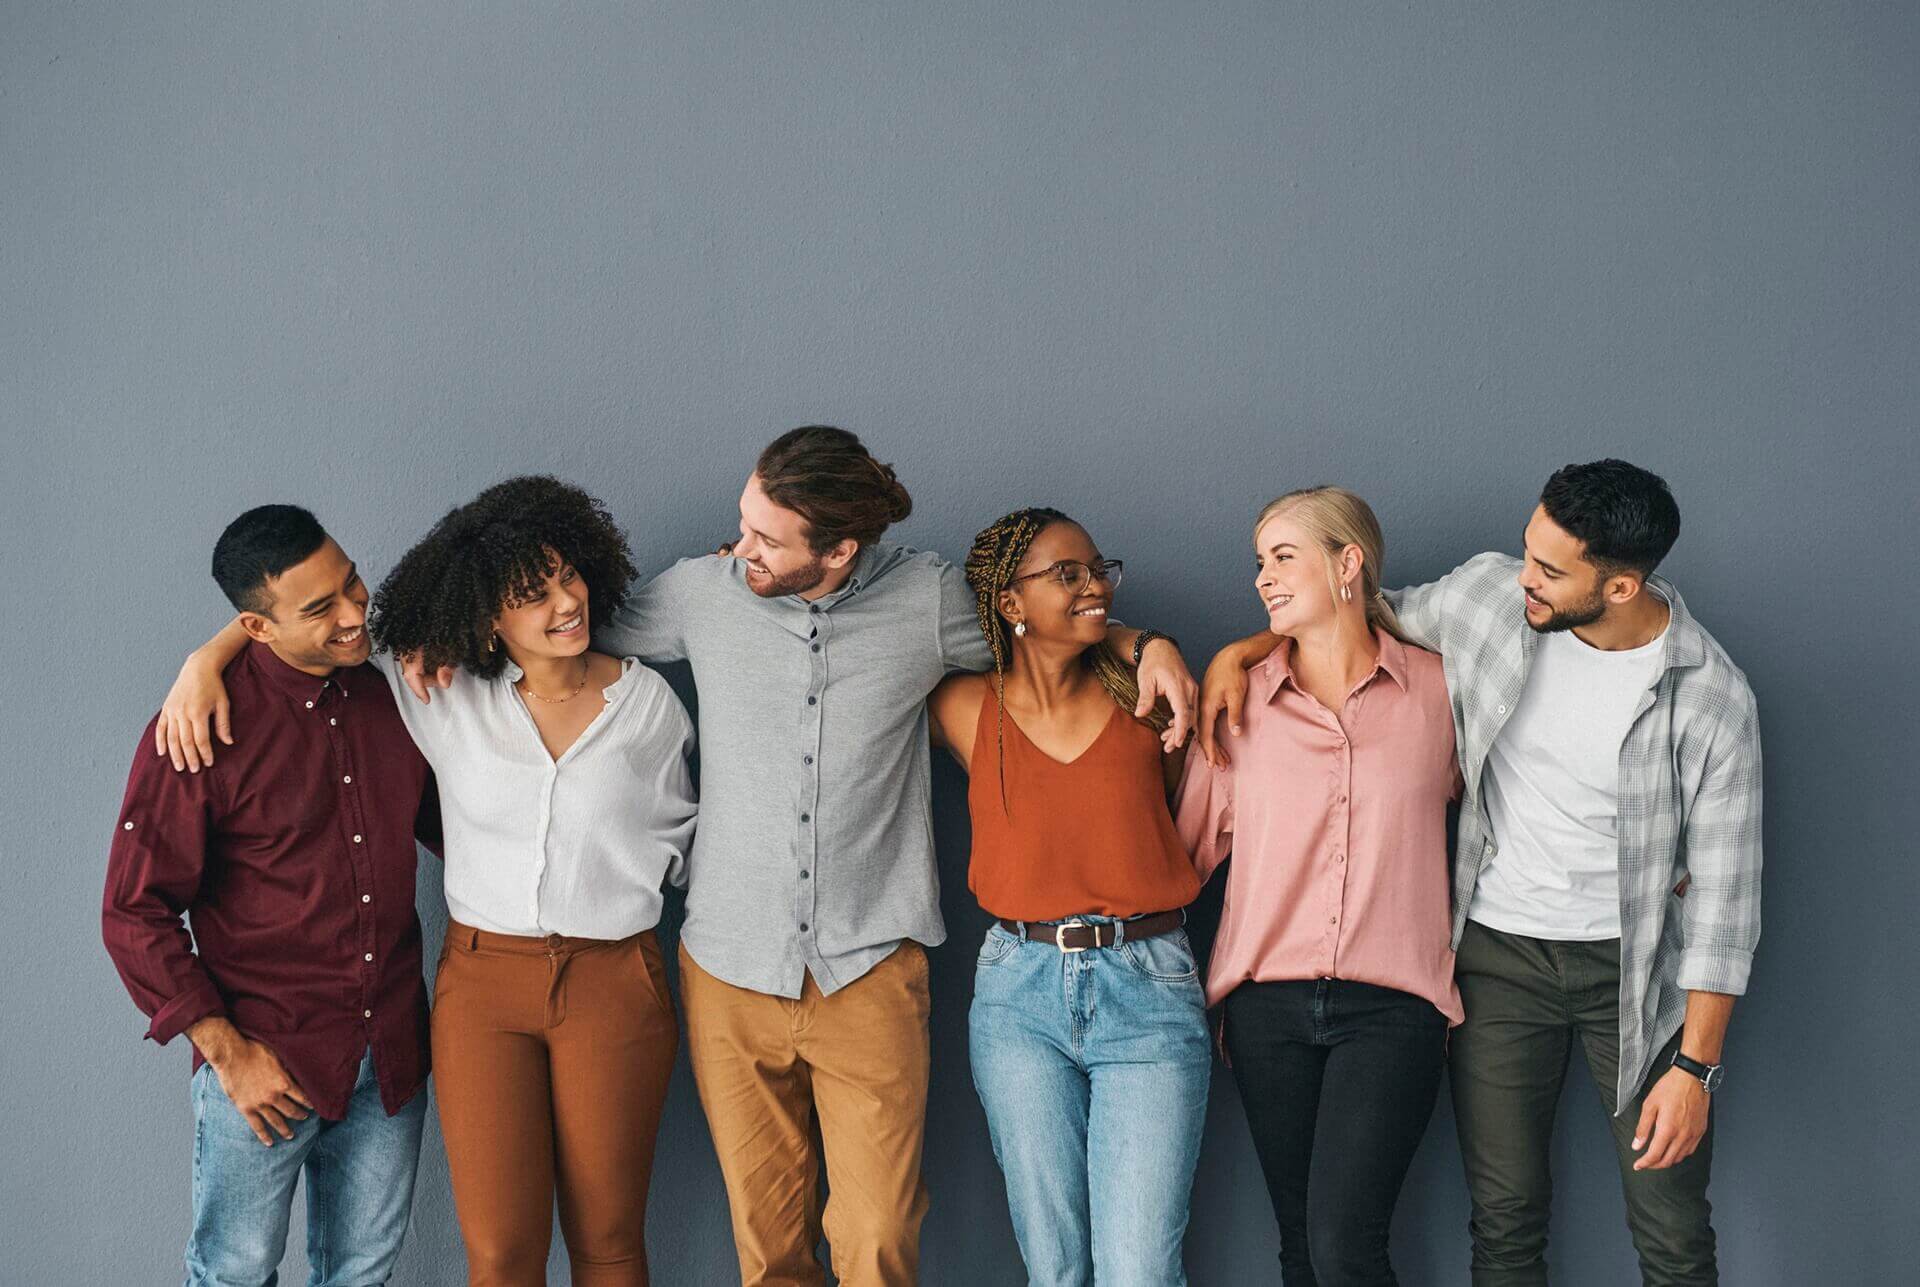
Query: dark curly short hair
<point>440,601</point>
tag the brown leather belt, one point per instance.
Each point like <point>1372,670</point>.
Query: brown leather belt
<point>1078,936</point>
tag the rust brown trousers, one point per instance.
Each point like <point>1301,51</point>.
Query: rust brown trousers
<point>551,1059</point>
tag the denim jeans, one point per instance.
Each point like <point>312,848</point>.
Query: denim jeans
<point>359,1189</point>
<point>1339,1080</point>
<point>1093,1069</point>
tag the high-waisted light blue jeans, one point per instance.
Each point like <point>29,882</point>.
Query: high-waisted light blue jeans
<point>1093,1069</point>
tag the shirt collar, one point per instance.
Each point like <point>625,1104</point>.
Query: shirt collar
<point>294,684</point>
<point>1277,669</point>
<point>1686,645</point>
<point>863,565</point>
<point>512,675</point>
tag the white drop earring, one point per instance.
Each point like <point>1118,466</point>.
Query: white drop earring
<point>1020,627</point>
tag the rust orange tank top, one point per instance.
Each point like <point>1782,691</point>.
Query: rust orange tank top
<point>1091,836</point>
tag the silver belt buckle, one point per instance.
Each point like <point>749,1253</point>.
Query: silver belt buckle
<point>1060,935</point>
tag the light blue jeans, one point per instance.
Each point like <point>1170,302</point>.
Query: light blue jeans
<point>359,1189</point>
<point>1093,1069</point>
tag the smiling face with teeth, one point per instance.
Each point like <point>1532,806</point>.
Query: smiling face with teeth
<point>1294,577</point>
<point>552,620</point>
<point>1051,611</point>
<point>316,618</point>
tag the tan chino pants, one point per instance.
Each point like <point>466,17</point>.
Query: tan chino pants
<point>855,1063</point>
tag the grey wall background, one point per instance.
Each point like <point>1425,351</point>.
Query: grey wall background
<point>1152,263</point>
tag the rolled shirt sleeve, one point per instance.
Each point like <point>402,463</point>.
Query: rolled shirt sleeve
<point>154,870</point>
<point>1720,915</point>
<point>1203,814</point>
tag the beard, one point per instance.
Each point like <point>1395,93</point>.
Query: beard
<point>798,581</point>
<point>1575,615</point>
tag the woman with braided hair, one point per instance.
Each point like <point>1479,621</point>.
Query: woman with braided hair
<point>1088,1029</point>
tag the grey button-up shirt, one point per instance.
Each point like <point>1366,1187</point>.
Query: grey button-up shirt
<point>1689,820</point>
<point>814,851</point>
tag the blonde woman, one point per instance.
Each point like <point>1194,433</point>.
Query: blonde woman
<point>1333,961</point>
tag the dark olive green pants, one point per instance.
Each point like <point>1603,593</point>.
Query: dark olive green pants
<point>1526,1000</point>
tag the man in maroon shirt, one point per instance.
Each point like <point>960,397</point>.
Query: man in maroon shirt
<point>299,985</point>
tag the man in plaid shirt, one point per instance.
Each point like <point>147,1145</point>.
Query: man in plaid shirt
<point>1607,874</point>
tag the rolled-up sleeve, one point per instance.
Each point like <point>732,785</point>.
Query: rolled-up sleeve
<point>1204,814</point>
<point>1721,910</point>
<point>154,870</point>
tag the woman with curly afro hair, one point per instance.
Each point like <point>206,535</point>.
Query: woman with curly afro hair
<point>567,802</point>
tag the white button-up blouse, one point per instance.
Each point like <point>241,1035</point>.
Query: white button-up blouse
<point>578,846</point>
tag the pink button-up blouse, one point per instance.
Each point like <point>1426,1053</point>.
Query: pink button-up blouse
<point>1337,828</point>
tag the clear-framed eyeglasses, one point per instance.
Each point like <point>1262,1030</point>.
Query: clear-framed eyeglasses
<point>1074,577</point>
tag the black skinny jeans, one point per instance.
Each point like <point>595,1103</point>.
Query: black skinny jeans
<point>1339,1080</point>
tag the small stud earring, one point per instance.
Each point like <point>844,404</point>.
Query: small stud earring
<point>1020,627</point>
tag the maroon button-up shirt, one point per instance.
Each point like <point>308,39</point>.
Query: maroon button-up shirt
<point>293,858</point>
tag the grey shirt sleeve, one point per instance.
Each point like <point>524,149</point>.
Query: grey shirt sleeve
<point>652,624</point>
<point>962,646</point>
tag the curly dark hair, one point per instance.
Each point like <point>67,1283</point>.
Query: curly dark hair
<point>442,597</point>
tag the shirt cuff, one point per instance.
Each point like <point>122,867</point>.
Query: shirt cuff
<point>1715,969</point>
<point>190,1007</point>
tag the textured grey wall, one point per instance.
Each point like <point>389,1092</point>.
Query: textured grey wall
<point>1152,263</point>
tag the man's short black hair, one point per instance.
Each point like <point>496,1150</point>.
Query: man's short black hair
<point>1624,514</point>
<point>263,543</point>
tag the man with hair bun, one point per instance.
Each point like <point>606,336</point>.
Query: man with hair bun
<point>1607,870</point>
<point>812,886</point>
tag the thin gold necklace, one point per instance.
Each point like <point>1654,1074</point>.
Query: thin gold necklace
<point>557,701</point>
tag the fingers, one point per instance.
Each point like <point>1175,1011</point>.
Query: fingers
<point>1236,700</point>
<point>1181,700</point>
<point>1658,1147</point>
<point>170,744</point>
<point>222,721</point>
<point>443,677</point>
<point>299,1096</point>
<point>1649,1114</point>
<point>275,1122</point>
<point>202,741</point>
<point>257,1123</point>
<point>1657,1140</point>
<point>1209,713</point>
<point>415,676</point>
<point>288,1107</point>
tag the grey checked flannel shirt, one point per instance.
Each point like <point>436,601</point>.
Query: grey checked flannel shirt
<point>1689,821</point>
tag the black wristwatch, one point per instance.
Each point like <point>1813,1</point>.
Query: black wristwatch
<point>1710,1075</point>
<point>1145,637</point>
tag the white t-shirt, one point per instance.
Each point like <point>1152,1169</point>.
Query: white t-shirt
<point>1553,794</point>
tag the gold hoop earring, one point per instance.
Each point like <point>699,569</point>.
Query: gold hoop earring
<point>1346,593</point>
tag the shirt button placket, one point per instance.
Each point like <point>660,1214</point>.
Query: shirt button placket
<point>805,899</point>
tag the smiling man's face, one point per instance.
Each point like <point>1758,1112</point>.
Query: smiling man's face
<point>316,618</point>
<point>1564,590</point>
